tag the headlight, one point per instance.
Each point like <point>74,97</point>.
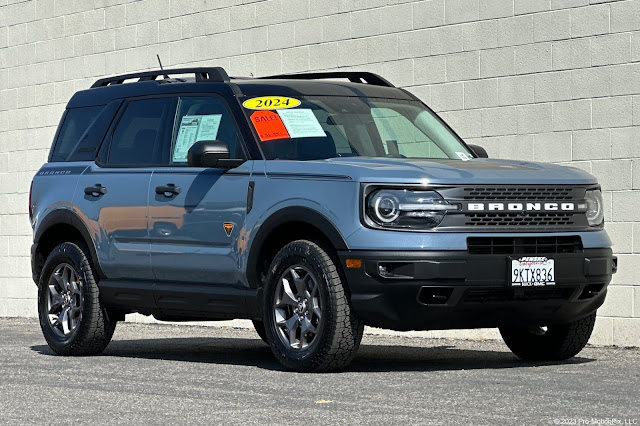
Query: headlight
<point>595,211</point>
<point>396,208</point>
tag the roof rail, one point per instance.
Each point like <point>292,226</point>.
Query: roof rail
<point>214,74</point>
<point>353,76</point>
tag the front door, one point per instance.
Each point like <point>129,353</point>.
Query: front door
<point>196,215</point>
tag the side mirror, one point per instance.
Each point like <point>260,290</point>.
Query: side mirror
<point>479,151</point>
<point>211,154</point>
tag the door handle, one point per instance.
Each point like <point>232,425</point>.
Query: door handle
<point>96,190</point>
<point>168,190</point>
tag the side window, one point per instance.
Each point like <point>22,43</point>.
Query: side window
<point>203,119</point>
<point>140,136</point>
<point>75,123</point>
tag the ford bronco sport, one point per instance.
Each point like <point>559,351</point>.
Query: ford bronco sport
<point>311,205</point>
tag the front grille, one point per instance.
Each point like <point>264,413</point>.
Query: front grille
<point>541,220</point>
<point>518,193</point>
<point>524,245</point>
<point>514,221</point>
<point>496,295</point>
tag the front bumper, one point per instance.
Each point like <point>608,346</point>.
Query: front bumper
<point>428,290</point>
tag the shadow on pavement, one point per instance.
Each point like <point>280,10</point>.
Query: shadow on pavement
<point>373,358</point>
<point>370,358</point>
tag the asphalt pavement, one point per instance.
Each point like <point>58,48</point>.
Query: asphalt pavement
<point>168,374</point>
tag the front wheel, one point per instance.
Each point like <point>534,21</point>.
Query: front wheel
<point>258,325</point>
<point>73,319</point>
<point>309,322</point>
<point>553,343</point>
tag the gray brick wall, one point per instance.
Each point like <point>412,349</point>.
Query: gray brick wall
<point>548,80</point>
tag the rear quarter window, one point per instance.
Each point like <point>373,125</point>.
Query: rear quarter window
<point>76,122</point>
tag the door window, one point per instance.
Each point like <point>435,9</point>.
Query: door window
<point>203,119</point>
<point>139,138</point>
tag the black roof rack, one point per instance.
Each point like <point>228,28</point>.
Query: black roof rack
<point>214,74</point>
<point>353,76</point>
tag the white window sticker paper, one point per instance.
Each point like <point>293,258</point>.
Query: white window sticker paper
<point>301,123</point>
<point>464,156</point>
<point>186,137</point>
<point>208,129</point>
<point>194,128</point>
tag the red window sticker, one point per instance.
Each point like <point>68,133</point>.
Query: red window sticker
<point>269,125</point>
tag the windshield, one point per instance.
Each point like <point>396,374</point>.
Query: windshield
<point>320,127</point>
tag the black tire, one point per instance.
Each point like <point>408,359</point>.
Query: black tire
<point>259,326</point>
<point>556,343</point>
<point>93,327</point>
<point>338,330</point>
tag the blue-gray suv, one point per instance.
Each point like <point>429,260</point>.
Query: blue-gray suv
<point>312,204</point>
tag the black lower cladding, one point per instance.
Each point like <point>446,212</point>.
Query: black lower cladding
<point>180,301</point>
<point>429,290</point>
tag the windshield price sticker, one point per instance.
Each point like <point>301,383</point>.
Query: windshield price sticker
<point>271,102</point>
<point>268,125</point>
<point>301,123</point>
<point>532,272</point>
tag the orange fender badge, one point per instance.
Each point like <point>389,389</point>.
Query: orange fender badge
<point>228,228</point>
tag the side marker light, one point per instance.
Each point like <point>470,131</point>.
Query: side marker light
<point>354,263</point>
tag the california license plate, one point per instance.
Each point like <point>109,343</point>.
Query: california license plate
<point>532,272</point>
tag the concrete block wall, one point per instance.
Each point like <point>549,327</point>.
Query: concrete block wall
<point>544,80</point>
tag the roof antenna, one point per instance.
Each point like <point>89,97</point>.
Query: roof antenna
<point>161,68</point>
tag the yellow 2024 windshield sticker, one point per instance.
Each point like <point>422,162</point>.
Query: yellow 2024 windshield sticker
<point>270,102</point>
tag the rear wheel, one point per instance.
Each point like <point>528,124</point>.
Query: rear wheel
<point>73,319</point>
<point>553,343</point>
<point>309,322</point>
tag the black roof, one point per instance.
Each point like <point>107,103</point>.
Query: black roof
<point>216,80</point>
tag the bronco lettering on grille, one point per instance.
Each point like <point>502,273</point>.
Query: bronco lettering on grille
<point>518,206</point>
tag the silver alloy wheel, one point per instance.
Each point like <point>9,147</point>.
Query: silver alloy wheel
<point>64,300</point>
<point>297,308</point>
<point>538,331</point>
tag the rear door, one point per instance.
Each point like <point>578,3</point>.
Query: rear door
<point>113,193</point>
<point>196,215</point>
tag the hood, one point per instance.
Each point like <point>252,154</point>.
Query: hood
<point>476,171</point>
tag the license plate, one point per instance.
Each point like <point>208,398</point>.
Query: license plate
<point>532,272</point>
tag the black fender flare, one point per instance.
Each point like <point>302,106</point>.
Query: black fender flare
<point>290,214</point>
<point>68,217</point>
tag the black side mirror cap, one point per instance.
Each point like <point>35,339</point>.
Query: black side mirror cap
<point>211,154</point>
<point>479,151</point>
